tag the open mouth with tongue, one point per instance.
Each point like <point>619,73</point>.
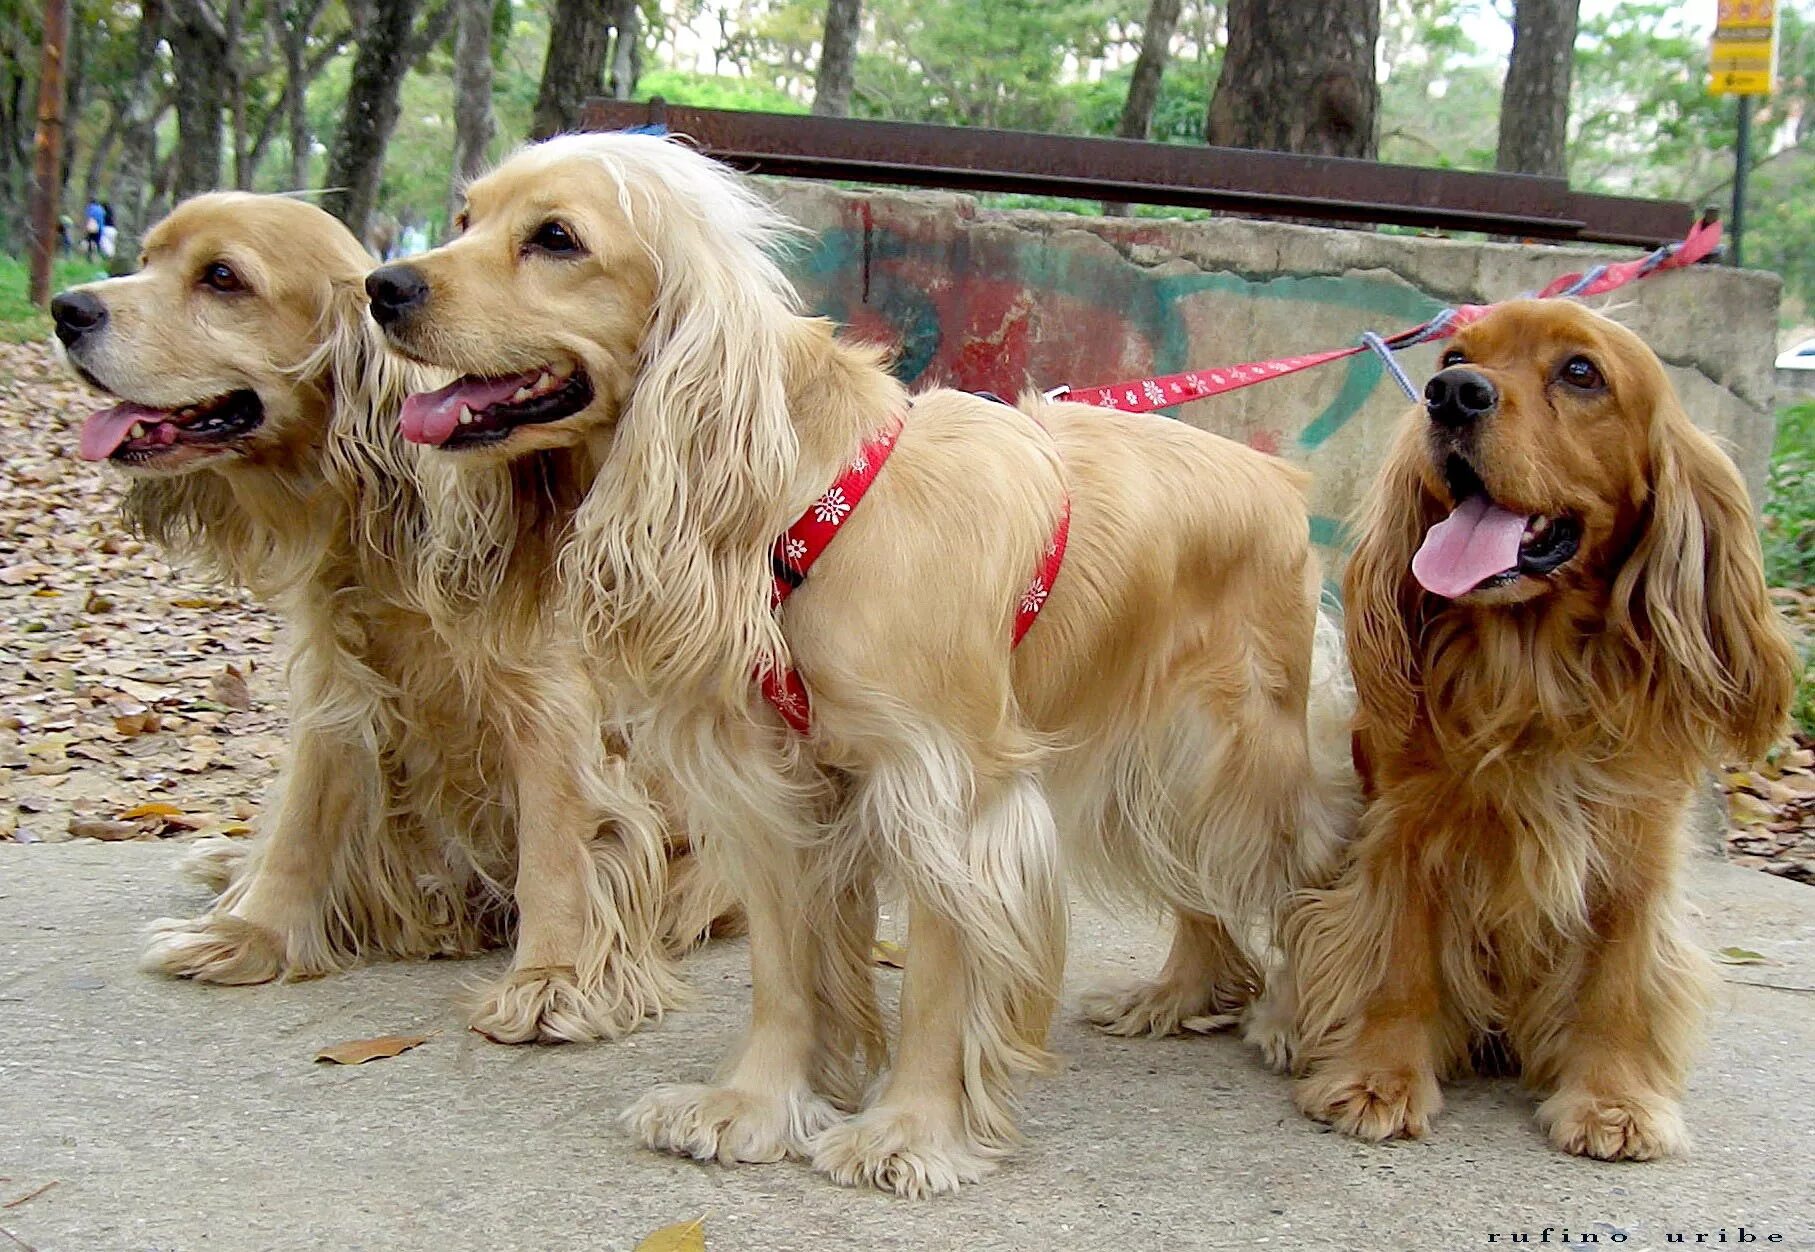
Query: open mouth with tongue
<point>138,435</point>
<point>1482,545</point>
<point>474,411</point>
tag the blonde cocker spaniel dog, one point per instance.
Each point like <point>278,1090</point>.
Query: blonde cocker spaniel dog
<point>612,303</point>
<point>449,785</point>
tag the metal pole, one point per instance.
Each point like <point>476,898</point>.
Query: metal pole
<point>47,154</point>
<point>1742,165</point>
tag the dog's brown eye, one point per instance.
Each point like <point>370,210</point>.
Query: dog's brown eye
<point>460,220</point>
<point>552,237</point>
<point>1452,357</point>
<point>220,277</point>
<point>1579,371</point>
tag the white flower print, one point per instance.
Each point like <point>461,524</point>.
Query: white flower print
<point>795,550</point>
<point>1034,597</point>
<point>860,463</point>
<point>832,506</point>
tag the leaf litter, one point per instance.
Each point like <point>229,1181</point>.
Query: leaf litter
<point>138,701</point>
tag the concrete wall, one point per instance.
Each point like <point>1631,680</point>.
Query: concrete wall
<point>993,300</point>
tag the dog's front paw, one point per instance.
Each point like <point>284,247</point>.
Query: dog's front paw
<point>726,1125</point>
<point>216,862</point>
<point>550,1005</point>
<point>1638,1127</point>
<point>1160,1008</point>
<point>900,1151</point>
<point>1377,1105</point>
<point>217,947</point>
<point>1268,1027</point>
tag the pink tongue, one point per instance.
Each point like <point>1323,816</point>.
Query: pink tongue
<point>1471,545</point>
<point>433,416</point>
<point>107,430</point>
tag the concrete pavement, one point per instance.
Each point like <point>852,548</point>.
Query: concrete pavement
<point>176,1117</point>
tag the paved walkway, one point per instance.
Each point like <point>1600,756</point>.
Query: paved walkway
<point>177,1118</point>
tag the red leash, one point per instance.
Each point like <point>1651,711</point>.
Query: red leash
<point>1144,395</point>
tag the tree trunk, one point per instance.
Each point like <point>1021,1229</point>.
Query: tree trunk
<point>198,51</point>
<point>75,89</point>
<point>1144,85</point>
<point>138,139</point>
<point>244,165</point>
<point>374,98</point>
<point>1299,78</point>
<point>578,31</point>
<point>98,157</point>
<point>47,150</point>
<point>838,57</point>
<point>296,109</point>
<point>473,123</point>
<point>1149,68</point>
<point>626,50</point>
<point>1534,107</point>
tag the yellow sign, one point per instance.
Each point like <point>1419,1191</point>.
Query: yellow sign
<point>1744,62</point>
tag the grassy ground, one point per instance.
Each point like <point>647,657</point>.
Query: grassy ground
<point>20,322</point>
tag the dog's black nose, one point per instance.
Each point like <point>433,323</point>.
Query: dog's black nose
<point>76,313</point>
<point>1459,397</point>
<point>395,291</point>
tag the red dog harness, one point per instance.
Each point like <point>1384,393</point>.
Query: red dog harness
<point>803,542</point>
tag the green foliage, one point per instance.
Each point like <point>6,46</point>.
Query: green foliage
<point>21,320</point>
<point>716,91</point>
<point>1789,510</point>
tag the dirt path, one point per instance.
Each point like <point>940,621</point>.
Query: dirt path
<point>139,702</point>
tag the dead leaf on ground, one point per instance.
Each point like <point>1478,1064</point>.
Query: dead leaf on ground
<point>886,952</point>
<point>103,829</point>
<point>229,688</point>
<point>680,1237</point>
<point>155,808</point>
<point>1739,956</point>
<point>359,1051</point>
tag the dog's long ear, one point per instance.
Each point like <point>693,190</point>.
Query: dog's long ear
<point>673,536</point>
<point>1383,605</point>
<point>1693,592</point>
<point>363,453</point>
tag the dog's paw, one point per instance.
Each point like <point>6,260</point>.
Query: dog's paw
<point>1159,1008</point>
<point>726,1125</point>
<point>899,1151</point>
<point>549,1005</point>
<point>217,947</point>
<point>1273,1034</point>
<point>215,862</point>
<point>1639,1127</point>
<point>1378,1105</point>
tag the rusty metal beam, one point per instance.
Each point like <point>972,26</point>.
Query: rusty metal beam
<point>1235,180</point>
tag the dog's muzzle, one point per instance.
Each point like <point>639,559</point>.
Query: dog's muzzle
<point>1458,398</point>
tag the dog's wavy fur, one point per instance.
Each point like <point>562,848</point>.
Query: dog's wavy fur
<point>448,780</point>
<point>1531,751</point>
<point>1152,728</point>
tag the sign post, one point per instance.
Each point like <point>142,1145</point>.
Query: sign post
<point>1743,64</point>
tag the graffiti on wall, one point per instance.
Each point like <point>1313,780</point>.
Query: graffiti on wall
<point>1002,310</point>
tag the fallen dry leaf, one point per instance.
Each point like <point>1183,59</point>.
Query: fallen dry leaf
<point>1739,956</point>
<point>229,688</point>
<point>103,829</point>
<point>680,1237</point>
<point>889,953</point>
<point>155,808</point>
<point>359,1051</point>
